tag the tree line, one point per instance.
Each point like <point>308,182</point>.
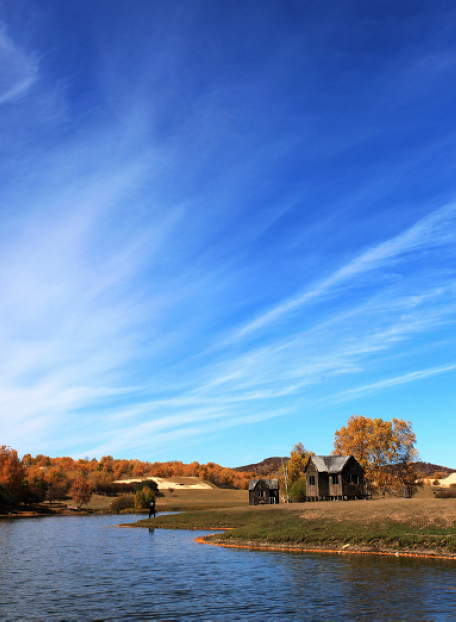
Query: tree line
<point>32,480</point>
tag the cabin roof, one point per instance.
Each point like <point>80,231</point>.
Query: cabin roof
<point>329,464</point>
<point>272,482</point>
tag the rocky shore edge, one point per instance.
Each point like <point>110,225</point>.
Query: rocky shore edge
<point>345,549</point>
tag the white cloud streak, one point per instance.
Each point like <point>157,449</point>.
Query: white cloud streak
<point>18,70</point>
<point>392,382</point>
<point>437,228</point>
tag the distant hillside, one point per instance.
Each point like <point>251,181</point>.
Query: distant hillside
<point>266,468</point>
<point>270,467</point>
<point>428,469</point>
<point>425,469</point>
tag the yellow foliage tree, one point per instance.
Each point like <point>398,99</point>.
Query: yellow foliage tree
<point>297,462</point>
<point>376,443</point>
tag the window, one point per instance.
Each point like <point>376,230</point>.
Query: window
<point>334,479</point>
<point>311,480</point>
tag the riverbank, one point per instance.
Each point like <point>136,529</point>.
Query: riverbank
<point>170,500</point>
<point>413,527</point>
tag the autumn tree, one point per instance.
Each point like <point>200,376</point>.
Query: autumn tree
<point>35,491</point>
<point>145,493</point>
<point>12,473</point>
<point>138,470</point>
<point>57,490</point>
<point>81,491</point>
<point>376,443</point>
<point>297,462</point>
<point>297,490</point>
<point>293,471</point>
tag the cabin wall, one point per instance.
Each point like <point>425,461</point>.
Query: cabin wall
<point>351,489</point>
<point>311,491</point>
<point>335,489</point>
<point>323,485</point>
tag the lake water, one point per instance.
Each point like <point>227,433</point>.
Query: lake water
<point>68,568</point>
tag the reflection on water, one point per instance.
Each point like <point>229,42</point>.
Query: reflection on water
<point>84,568</point>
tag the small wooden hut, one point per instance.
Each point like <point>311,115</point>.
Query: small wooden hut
<point>334,477</point>
<point>263,491</point>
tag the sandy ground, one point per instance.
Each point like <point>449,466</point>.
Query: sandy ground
<point>181,483</point>
<point>445,483</point>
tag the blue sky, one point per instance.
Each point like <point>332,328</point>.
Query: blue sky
<point>225,227</point>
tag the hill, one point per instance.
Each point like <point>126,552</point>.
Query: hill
<point>428,469</point>
<point>269,467</point>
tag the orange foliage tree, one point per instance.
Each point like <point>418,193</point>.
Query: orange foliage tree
<point>12,473</point>
<point>81,491</point>
<point>376,443</point>
<point>108,469</point>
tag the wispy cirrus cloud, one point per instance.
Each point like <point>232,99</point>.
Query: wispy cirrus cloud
<point>392,382</point>
<point>18,69</point>
<point>435,230</point>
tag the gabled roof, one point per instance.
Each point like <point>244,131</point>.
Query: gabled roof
<point>272,482</point>
<point>329,464</point>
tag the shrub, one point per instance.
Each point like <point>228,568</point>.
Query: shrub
<point>297,490</point>
<point>147,483</point>
<point>123,503</point>
<point>143,498</point>
<point>452,486</point>
<point>111,489</point>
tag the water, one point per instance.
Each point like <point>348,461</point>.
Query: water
<point>73,568</point>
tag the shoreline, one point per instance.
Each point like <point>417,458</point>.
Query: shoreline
<point>344,550</point>
<point>423,529</point>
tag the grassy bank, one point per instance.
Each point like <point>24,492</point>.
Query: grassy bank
<point>421,526</point>
<point>169,501</point>
<point>181,500</point>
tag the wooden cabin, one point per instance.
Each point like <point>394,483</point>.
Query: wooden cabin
<point>263,491</point>
<point>334,477</point>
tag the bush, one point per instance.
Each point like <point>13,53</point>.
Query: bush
<point>148,483</point>
<point>143,498</point>
<point>123,503</point>
<point>452,486</point>
<point>112,489</point>
<point>297,490</point>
